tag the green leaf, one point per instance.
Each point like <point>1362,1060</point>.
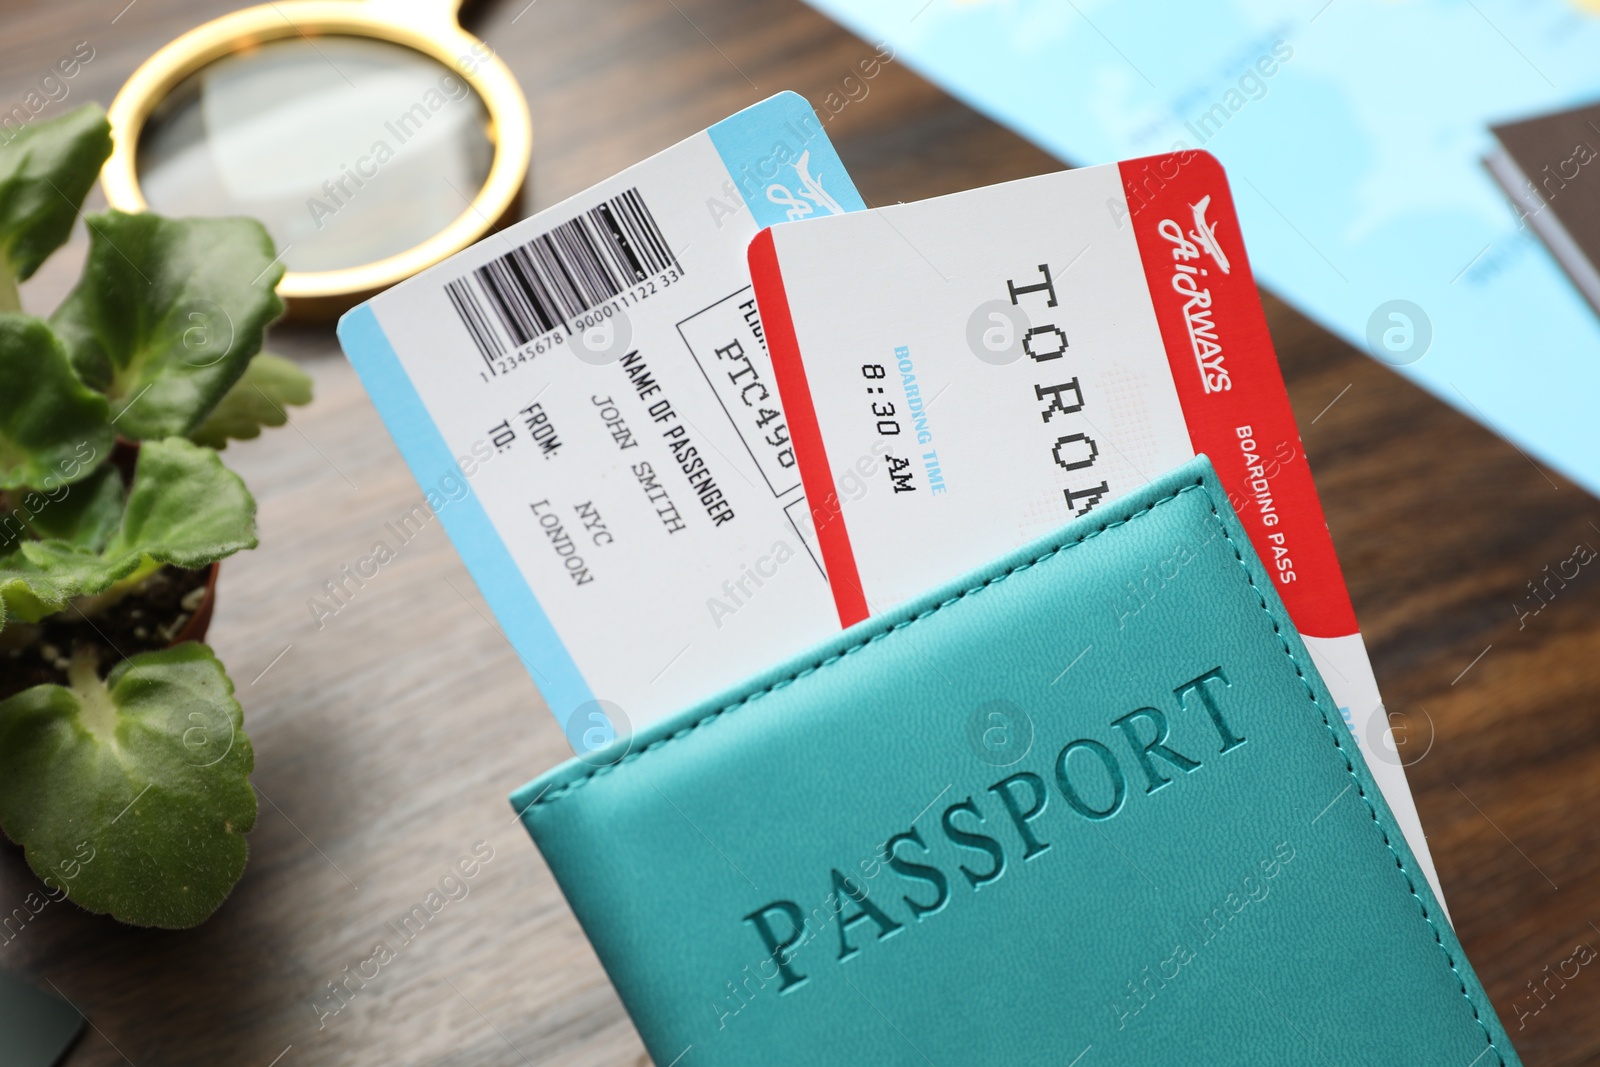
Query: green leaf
<point>132,795</point>
<point>168,314</point>
<point>271,384</point>
<point>46,170</point>
<point>85,514</point>
<point>27,591</point>
<point>53,428</point>
<point>184,508</point>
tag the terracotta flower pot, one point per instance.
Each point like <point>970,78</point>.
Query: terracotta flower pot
<point>195,629</point>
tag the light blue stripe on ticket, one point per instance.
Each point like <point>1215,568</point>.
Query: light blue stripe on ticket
<point>521,618</point>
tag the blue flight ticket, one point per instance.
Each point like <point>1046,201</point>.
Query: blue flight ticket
<point>640,530</point>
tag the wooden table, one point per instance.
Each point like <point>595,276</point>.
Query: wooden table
<point>386,740</point>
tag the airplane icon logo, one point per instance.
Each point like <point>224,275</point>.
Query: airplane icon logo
<point>1205,233</point>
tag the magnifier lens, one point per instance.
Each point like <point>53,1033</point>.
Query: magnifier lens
<point>348,149</point>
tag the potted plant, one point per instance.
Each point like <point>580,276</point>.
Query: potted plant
<point>124,766</point>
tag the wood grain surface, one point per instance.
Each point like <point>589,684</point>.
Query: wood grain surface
<point>387,739</point>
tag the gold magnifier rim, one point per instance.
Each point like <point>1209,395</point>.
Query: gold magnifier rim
<point>439,37</point>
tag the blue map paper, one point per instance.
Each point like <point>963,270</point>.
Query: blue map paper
<point>1356,162</point>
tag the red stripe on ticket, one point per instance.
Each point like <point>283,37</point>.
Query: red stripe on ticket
<point>1228,380</point>
<point>815,474</point>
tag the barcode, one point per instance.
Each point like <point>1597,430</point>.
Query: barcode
<point>552,279</point>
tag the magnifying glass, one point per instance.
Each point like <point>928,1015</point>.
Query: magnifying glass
<point>372,138</point>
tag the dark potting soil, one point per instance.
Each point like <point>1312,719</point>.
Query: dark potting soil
<point>142,621</point>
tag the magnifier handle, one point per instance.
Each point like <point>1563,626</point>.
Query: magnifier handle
<point>422,12</point>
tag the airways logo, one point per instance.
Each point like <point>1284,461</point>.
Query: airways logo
<point>1187,281</point>
<point>812,194</point>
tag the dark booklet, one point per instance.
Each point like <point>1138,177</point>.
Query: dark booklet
<point>1550,166</point>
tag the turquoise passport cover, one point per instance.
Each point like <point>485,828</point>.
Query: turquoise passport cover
<point>1091,805</point>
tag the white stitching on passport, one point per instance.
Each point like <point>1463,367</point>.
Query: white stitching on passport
<point>1349,767</point>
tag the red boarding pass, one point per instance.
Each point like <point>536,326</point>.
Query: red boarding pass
<point>964,374</point>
